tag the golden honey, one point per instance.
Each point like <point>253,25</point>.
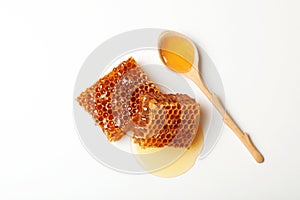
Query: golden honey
<point>177,53</point>
<point>184,159</point>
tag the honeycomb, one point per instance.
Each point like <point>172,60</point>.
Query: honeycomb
<point>137,112</point>
<point>113,99</point>
<point>167,120</point>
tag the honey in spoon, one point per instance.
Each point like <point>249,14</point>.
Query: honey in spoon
<point>177,53</point>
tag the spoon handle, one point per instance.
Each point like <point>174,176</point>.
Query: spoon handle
<point>243,136</point>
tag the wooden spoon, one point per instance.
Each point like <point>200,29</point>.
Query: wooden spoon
<point>180,54</point>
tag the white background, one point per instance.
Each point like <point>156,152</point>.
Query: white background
<point>254,44</point>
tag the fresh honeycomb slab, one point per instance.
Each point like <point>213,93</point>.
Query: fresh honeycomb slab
<point>167,120</point>
<point>113,99</point>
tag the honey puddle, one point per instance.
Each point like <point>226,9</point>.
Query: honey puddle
<point>169,161</point>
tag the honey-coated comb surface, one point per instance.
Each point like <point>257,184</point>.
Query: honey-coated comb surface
<point>168,120</point>
<point>113,99</point>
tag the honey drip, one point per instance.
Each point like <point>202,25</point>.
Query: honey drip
<point>184,159</point>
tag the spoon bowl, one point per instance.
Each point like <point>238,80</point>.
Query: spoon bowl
<point>183,57</point>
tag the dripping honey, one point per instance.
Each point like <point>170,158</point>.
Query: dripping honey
<point>184,159</point>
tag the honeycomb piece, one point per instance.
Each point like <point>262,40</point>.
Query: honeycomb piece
<point>109,98</point>
<point>170,120</point>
